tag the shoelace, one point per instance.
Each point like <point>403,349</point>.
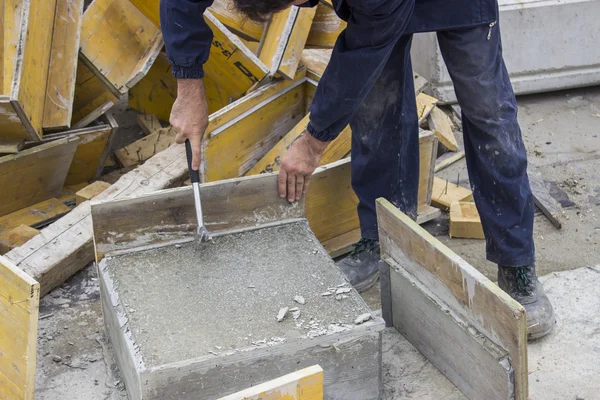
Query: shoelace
<point>360,246</point>
<point>522,281</point>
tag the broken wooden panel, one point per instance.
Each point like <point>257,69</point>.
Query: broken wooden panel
<point>35,174</point>
<point>92,98</point>
<point>444,192</point>
<point>170,215</point>
<point>467,295</point>
<point>156,92</point>
<point>326,28</point>
<point>35,216</point>
<point>139,151</point>
<point>306,384</point>
<point>28,46</point>
<point>118,43</point>
<point>236,146</point>
<point>225,12</point>
<point>19,308</point>
<point>60,91</point>
<point>92,150</point>
<point>442,126</point>
<point>281,48</point>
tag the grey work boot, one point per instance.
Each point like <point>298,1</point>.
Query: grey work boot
<point>521,284</point>
<point>361,267</point>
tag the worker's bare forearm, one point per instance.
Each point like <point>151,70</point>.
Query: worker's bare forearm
<point>192,89</point>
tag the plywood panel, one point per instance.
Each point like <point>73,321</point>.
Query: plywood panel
<point>279,31</point>
<point>35,174</point>
<point>60,91</point>
<point>19,308</point>
<point>296,42</point>
<point>13,14</point>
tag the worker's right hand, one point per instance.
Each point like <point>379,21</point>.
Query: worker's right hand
<point>298,164</point>
<point>189,116</point>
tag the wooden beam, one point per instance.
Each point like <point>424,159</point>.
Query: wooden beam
<point>170,216</point>
<point>36,216</point>
<point>92,98</point>
<point>325,28</point>
<point>139,151</point>
<point>425,104</point>
<point>29,48</point>
<point>16,237</point>
<point>118,43</point>
<point>444,193</point>
<point>465,221</point>
<point>92,151</point>
<point>35,174</point>
<point>441,125</point>
<point>428,146</point>
<point>60,91</point>
<point>306,384</point>
<point>19,307</point>
<point>90,191</point>
<point>448,159</point>
<point>65,247</point>
<point>467,295</point>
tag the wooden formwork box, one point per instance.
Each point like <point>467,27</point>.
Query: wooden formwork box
<point>166,219</point>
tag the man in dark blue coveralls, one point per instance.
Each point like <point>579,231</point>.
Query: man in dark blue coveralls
<point>369,84</point>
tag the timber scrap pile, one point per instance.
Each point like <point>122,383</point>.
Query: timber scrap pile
<point>63,67</point>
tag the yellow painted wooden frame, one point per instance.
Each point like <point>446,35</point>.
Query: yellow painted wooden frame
<point>306,384</point>
<point>19,308</point>
<point>243,27</point>
<point>326,27</point>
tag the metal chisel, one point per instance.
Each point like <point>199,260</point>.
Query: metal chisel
<point>203,234</point>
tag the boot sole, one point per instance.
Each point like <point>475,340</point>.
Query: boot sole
<point>367,283</point>
<point>539,335</point>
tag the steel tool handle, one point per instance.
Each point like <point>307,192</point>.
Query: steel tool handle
<point>194,175</point>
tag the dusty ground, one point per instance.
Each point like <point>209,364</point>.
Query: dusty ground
<point>75,359</point>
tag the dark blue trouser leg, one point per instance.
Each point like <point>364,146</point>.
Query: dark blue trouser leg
<point>495,154</point>
<point>385,142</point>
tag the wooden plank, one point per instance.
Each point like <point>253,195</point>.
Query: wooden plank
<point>118,43</point>
<point>92,151</point>
<point>149,123</point>
<point>234,148</point>
<point>296,42</point>
<point>67,194</point>
<point>457,285</point>
<point>224,11</point>
<point>465,221</point>
<point>90,191</point>
<point>306,384</point>
<point>546,203</point>
<point>478,367</point>
<point>448,159</point>
<point>425,105</point>
<point>11,147</point>
<point>13,14</point>
<point>16,237</point>
<point>316,60</point>
<point>35,174</point>
<point>441,125</point>
<point>342,244</point>
<point>326,28</point>
<point>445,192</point>
<point>427,214</point>
<point>169,215</point>
<point>275,41</point>
<point>19,308</point>
<point>144,148</point>
<point>428,146</point>
<point>156,92</point>
<point>60,91</point>
<point>36,215</point>
<point>2,34</point>
<point>92,98</point>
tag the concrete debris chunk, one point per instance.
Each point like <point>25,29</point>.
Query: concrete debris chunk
<point>299,300</point>
<point>343,290</point>
<point>282,313</point>
<point>362,318</point>
<point>326,294</point>
<point>296,314</point>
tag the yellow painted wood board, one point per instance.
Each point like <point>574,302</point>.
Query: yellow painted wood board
<point>144,148</point>
<point>338,148</point>
<point>11,146</point>
<point>118,43</point>
<point>235,147</point>
<point>465,221</point>
<point>35,174</point>
<point>13,13</point>
<point>17,236</point>
<point>458,285</point>
<point>92,98</point>
<point>90,191</point>
<point>326,28</point>
<point>292,53</point>
<point>306,384</point>
<point>441,125</point>
<point>60,91</point>
<point>225,12</point>
<point>444,193</point>
<point>425,104</point>
<point>67,194</point>
<point>274,43</point>
<point>428,147</point>
<point>19,309</point>
<point>90,156</point>
<point>156,92</point>
<point>35,216</point>
<point>316,60</point>
<point>2,34</point>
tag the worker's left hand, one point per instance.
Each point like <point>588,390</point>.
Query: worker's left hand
<point>297,166</point>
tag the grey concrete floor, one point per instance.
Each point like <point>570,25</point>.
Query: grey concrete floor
<point>560,130</point>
